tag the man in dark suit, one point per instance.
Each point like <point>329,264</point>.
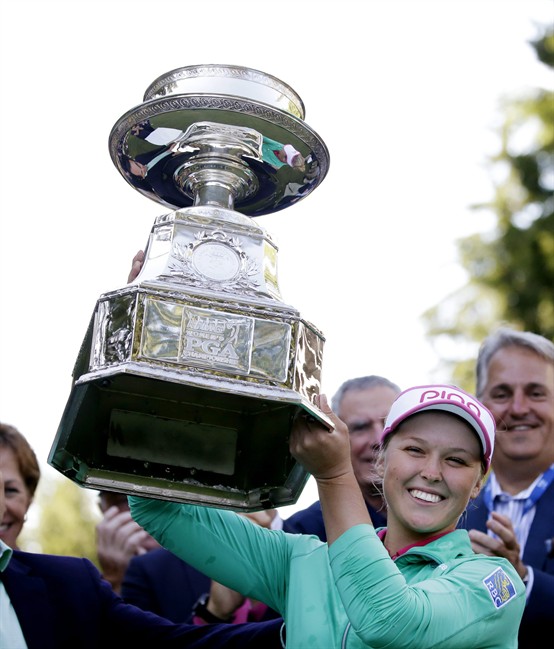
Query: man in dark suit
<point>153,579</point>
<point>160,582</point>
<point>55,602</point>
<point>513,515</point>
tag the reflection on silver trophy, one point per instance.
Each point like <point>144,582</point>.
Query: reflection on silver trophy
<point>189,378</point>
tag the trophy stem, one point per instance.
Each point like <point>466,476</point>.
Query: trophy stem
<point>216,180</point>
<point>212,193</point>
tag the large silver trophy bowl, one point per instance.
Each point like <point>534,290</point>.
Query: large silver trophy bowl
<point>189,378</point>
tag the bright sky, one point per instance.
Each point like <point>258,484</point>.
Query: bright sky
<point>405,94</point>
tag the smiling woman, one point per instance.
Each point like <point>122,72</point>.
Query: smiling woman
<point>21,471</point>
<point>415,584</point>
<point>436,449</point>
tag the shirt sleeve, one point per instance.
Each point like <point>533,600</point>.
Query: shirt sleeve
<point>222,544</point>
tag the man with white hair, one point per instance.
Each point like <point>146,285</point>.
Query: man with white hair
<point>513,515</point>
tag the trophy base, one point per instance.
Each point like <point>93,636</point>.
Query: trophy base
<point>142,435</point>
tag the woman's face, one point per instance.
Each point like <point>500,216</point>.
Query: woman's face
<point>17,498</point>
<point>431,468</point>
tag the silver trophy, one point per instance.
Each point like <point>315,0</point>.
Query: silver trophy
<point>189,378</point>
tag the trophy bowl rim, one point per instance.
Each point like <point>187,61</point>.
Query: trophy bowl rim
<point>215,71</point>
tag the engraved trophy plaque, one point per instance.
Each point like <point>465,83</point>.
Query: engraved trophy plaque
<point>189,377</point>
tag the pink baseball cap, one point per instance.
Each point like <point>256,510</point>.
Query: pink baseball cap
<point>290,153</point>
<point>448,398</point>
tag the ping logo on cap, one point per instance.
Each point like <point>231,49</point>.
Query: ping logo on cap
<point>448,398</point>
<point>500,586</point>
<point>432,395</point>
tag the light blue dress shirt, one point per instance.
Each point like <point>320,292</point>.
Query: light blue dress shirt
<point>11,636</point>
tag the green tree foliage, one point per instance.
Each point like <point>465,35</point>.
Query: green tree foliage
<point>66,518</point>
<point>511,270</point>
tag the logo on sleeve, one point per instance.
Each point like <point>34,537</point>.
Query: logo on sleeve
<point>500,587</point>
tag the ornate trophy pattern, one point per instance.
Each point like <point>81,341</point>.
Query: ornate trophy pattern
<point>189,377</point>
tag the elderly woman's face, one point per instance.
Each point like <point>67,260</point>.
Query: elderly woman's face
<point>17,498</point>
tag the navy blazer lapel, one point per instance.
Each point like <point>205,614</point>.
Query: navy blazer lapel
<point>476,515</point>
<point>29,597</point>
<point>541,530</point>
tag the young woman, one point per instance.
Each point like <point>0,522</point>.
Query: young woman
<point>415,584</point>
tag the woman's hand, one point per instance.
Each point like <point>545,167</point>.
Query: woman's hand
<point>326,455</point>
<point>136,266</point>
<point>322,452</point>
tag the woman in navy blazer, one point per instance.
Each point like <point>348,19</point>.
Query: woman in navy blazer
<point>63,602</point>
